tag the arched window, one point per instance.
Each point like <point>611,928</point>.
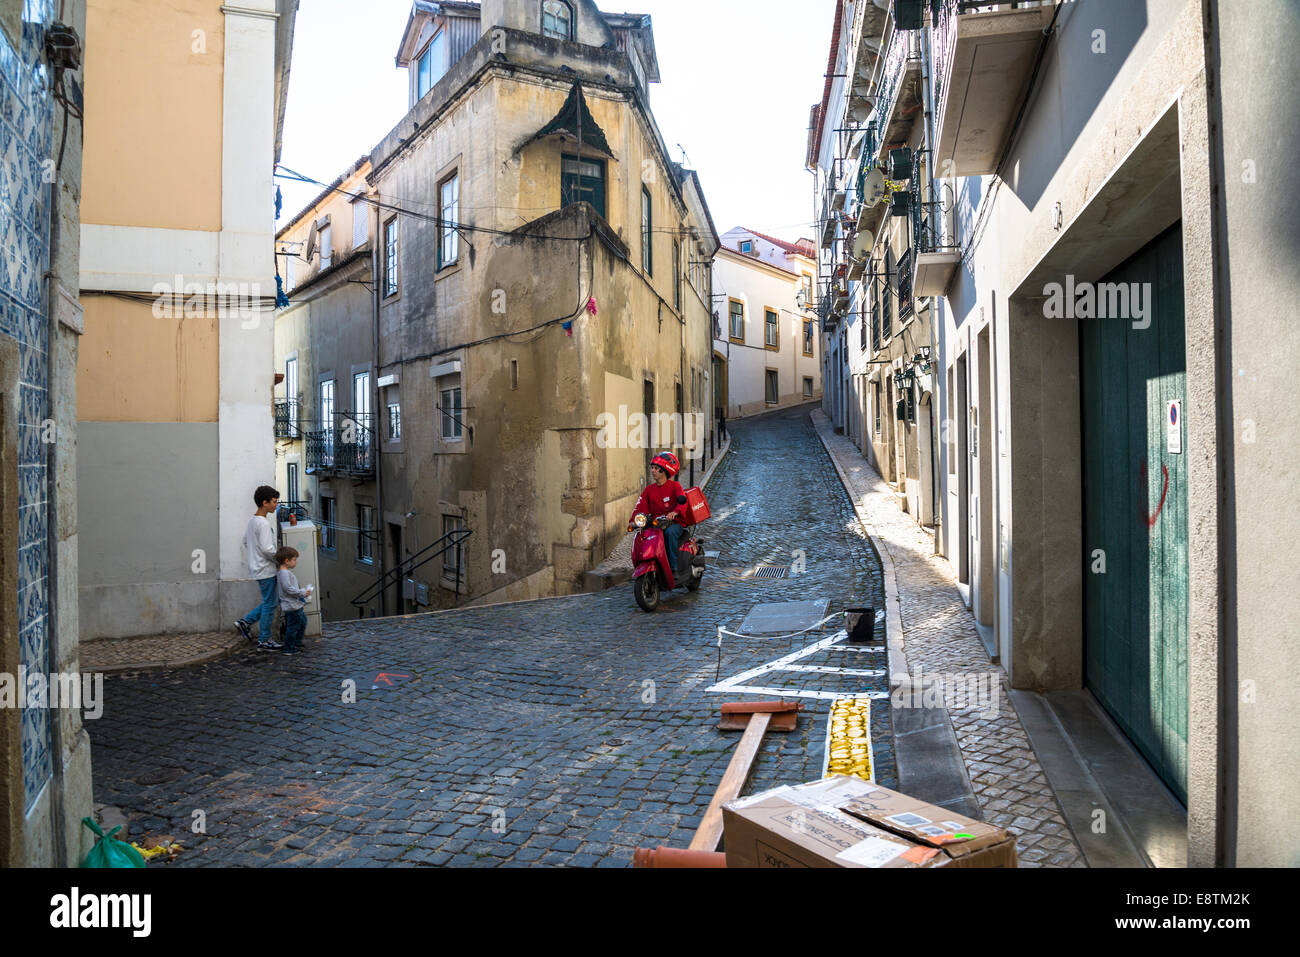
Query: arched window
<point>557,20</point>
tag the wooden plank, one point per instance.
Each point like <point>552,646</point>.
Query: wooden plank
<point>709,832</point>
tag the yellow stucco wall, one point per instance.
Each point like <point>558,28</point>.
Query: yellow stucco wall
<point>135,367</point>
<point>153,89</point>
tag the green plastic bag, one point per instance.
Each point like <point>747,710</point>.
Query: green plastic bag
<point>108,850</point>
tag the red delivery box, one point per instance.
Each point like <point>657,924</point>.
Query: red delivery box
<point>697,507</point>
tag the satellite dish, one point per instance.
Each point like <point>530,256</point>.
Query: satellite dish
<point>862,244</point>
<point>873,188</point>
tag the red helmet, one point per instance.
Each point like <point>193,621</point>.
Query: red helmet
<point>668,462</point>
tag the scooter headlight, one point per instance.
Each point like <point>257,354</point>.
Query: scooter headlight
<point>639,520</point>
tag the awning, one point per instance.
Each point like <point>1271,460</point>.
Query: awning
<point>565,125</point>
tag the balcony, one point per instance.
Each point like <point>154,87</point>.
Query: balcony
<point>898,91</point>
<point>936,251</point>
<point>865,50</point>
<point>346,448</point>
<point>288,418</point>
<point>983,56</point>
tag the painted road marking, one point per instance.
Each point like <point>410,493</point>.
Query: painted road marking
<point>787,663</point>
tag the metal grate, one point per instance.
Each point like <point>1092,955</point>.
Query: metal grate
<point>771,571</point>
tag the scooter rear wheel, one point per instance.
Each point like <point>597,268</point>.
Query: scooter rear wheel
<point>646,589</point>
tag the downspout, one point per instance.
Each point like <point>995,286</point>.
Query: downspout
<point>377,435</point>
<point>936,315</point>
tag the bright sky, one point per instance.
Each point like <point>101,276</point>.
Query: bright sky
<point>738,78</point>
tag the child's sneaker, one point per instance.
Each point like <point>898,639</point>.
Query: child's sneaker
<point>291,651</point>
<point>269,646</point>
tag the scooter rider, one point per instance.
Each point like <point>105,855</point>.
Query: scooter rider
<point>660,498</point>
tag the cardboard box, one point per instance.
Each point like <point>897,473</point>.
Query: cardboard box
<point>847,822</point>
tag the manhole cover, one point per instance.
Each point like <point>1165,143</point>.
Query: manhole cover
<point>615,742</point>
<point>784,617</point>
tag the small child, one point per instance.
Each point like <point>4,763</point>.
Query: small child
<point>292,598</point>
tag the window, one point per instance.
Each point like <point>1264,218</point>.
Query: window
<point>807,387</point>
<point>449,405</point>
<point>582,181</point>
<point>862,332</point>
<point>746,246</point>
<point>449,207</point>
<point>390,257</point>
<point>326,250</point>
<point>394,421</point>
<point>291,392</point>
<point>291,473</point>
<point>876,405</point>
<point>327,421</point>
<point>737,320</point>
<point>771,332</point>
<point>809,334</point>
<point>557,20</point>
<point>805,289</point>
<point>328,522</point>
<point>773,386</point>
<point>453,559</point>
<point>360,223</point>
<point>514,373</point>
<point>432,64</point>
<point>647,262</point>
<point>365,534</point>
<point>677,275</point>
<point>887,297</point>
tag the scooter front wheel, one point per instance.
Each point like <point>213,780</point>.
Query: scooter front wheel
<point>646,589</point>
<point>693,580</point>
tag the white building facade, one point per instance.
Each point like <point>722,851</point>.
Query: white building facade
<point>766,350</point>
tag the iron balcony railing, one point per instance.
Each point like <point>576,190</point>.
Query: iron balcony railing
<point>902,47</point>
<point>347,445</point>
<point>930,228</point>
<point>288,418</point>
<point>905,286</point>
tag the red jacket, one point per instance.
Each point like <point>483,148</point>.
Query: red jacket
<point>659,500</point>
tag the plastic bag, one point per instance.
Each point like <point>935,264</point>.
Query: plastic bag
<point>108,850</point>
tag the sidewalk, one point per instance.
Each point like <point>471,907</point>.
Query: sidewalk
<point>925,610</point>
<point>154,652</point>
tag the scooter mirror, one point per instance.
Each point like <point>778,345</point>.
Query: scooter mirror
<point>681,499</point>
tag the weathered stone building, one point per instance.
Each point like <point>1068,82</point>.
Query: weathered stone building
<point>538,261</point>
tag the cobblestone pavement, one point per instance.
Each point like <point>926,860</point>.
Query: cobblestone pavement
<point>940,639</point>
<point>564,731</point>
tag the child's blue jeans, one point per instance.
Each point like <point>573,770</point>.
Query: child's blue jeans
<point>295,622</point>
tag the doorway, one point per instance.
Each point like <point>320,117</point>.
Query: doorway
<point>1133,385</point>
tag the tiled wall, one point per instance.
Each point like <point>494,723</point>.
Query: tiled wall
<point>26,160</point>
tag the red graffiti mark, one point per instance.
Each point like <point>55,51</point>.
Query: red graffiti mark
<point>387,677</point>
<point>1142,474</point>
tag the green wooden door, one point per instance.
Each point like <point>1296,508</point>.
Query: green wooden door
<point>1135,510</point>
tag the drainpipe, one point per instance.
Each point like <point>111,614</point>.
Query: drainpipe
<point>936,314</point>
<point>376,436</point>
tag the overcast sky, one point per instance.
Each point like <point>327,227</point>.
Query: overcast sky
<point>738,78</point>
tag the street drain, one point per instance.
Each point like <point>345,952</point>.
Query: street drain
<point>160,776</point>
<point>771,571</point>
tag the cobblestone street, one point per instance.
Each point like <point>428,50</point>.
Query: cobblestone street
<point>564,731</point>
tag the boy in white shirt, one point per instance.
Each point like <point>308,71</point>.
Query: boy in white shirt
<point>259,550</point>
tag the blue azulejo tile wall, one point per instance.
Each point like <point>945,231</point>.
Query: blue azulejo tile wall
<point>26,135</point>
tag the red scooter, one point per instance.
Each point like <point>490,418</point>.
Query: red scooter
<point>653,571</point>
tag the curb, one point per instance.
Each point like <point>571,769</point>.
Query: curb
<point>218,651</point>
<point>894,637</point>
